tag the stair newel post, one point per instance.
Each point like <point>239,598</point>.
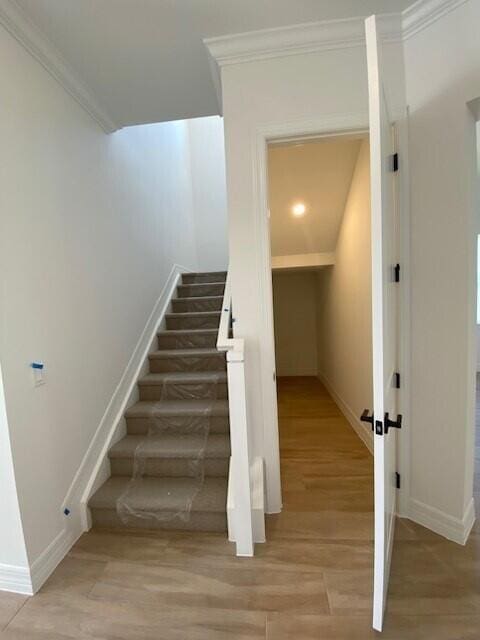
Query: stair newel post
<point>241,513</point>
<point>245,525</point>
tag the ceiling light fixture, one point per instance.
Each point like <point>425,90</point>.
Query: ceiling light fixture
<point>299,209</point>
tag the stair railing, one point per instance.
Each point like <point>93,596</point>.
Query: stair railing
<point>239,504</point>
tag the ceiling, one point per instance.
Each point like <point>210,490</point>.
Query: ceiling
<point>144,60</point>
<point>317,173</point>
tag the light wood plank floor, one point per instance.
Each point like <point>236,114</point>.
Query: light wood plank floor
<point>312,580</point>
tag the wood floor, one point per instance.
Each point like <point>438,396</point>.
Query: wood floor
<point>312,580</point>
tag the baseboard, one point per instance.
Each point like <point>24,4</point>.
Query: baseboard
<point>94,468</point>
<point>455,529</point>
<point>15,579</point>
<point>47,561</point>
<point>360,429</point>
<point>258,499</point>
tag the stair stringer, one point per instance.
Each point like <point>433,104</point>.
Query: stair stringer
<point>95,466</point>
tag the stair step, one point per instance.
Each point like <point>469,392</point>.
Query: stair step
<point>166,498</point>
<point>183,385</point>
<point>187,360</point>
<point>172,455</point>
<point>208,277</point>
<point>195,320</point>
<point>201,303</point>
<point>201,290</point>
<point>186,338</point>
<point>146,415</point>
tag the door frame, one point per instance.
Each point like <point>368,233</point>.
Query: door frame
<point>345,124</point>
<point>473,230</point>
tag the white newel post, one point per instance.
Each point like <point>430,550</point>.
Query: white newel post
<point>245,503</point>
<point>240,460</point>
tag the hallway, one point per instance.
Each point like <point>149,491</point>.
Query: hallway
<point>311,580</point>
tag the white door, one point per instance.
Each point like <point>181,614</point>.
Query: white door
<point>384,319</point>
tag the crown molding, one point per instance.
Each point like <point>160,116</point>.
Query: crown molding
<point>424,13</point>
<point>284,41</point>
<point>319,36</point>
<point>310,37</point>
<point>14,20</point>
<point>296,39</point>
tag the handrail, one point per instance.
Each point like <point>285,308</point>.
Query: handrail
<point>239,501</point>
<point>233,346</point>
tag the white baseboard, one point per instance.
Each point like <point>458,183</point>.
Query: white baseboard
<point>445,525</point>
<point>46,563</point>
<point>16,579</point>
<point>258,499</point>
<point>363,432</point>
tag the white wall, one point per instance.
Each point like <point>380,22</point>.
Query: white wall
<point>304,88</point>
<point>295,315</point>
<point>90,228</point>
<point>209,191</point>
<point>344,309</point>
<point>442,75</point>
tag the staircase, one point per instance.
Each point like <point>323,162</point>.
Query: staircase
<point>170,470</point>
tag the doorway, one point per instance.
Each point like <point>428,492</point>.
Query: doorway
<point>319,202</point>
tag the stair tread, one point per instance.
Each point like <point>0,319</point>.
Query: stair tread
<point>196,298</point>
<point>163,494</point>
<point>206,273</point>
<point>148,408</point>
<point>185,314</point>
<point>184,332</point>
<point>202,284</point>
<point>185,353</point>
<point>190,445</point>
<point>183,377</point>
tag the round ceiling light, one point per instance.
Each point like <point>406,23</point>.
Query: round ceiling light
<point>299,209</point>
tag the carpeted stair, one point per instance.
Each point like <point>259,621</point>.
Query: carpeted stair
<point>187,378</point>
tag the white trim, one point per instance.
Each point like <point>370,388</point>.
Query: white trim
<point>46,563</point>
<point>472,329</point>
<point>308,37</point>
<point>286,41</point>
<point>454,529</point>
<point>94,469</point>
<point>364,433</point>
<point>15,579</point>
<point>404,396</point>
<point>19,25</point>
<point>424,13</point>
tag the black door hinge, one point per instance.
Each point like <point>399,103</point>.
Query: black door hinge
<point>396,273</point>
<point>396,380</point>
<point>397,480</point>
<point>395,162</point>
